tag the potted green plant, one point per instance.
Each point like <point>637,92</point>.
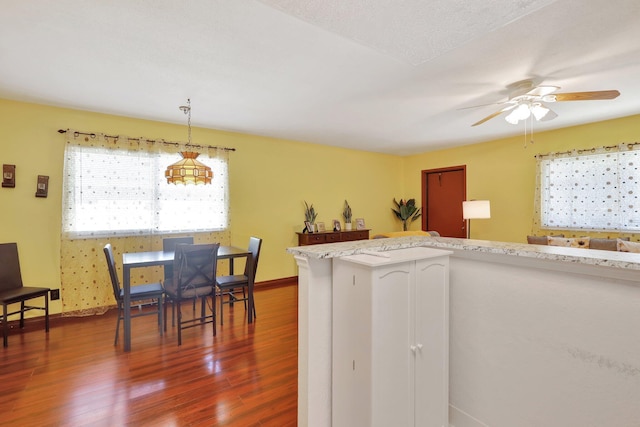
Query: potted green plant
<point>406,211</point>
<point>346,214</point>
<point>310,216</point>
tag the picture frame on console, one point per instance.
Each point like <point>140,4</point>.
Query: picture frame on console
<point>336,225</point>
<point>360,224</point>
<point>320,228</point>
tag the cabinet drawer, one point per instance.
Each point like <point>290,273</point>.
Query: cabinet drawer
<point>311,239</point>
<point>356,235</point>
<point>333,237</point>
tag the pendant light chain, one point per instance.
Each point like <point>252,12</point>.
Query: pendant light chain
<point>189,119</point>
<point>188,170</point>
<point>187,110</point>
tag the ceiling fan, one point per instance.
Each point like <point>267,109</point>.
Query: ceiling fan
<point>526,100</point>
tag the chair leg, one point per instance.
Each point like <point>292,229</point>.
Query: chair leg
<point>179,325</point>
<point>5,326</point>
<point>120,314</point>
<point>221,307</point>
<point>21,314</point>
<point>173,313</point>
<point>213,311</point>
<point>46,312</point>
<point>160,310</point>
<point>165,315</point>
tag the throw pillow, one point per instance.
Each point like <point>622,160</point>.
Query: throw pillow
<point>625,246</point>
<point>537,240</point>
<point>605,244</point>
<point>577,242</point>
<point>540,240</point>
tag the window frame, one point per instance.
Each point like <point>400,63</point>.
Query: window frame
<point>154,197</point>
<point>602,177</point>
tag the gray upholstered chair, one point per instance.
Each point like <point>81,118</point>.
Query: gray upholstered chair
<point>228,285</point>
<point>169,245</point>
<point>194,277</point>
<point>151,291</point>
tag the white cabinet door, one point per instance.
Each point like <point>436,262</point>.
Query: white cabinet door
<point>431,306</point>
<point>351,355</point>
<point>389,328</point>
<point>392,359</point>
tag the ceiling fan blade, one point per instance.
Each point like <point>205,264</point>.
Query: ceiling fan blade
<point>542,90</point>
<point>482,105</point>
<point>586,96</point>
<point>497,113</point>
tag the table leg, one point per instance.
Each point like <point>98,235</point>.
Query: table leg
<point>126,286</point>
<point>231,298</point>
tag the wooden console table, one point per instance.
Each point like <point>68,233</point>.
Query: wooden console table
<point>331,237</point>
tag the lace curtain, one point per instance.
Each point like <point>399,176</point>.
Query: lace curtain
<point>115,186</point>
<point>130,166</point>
<point>595,190</point>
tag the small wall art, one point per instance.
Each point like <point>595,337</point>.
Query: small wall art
<point>42,188</point>
<point>8,176</point>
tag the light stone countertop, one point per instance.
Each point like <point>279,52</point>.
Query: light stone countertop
<point>594,257</point>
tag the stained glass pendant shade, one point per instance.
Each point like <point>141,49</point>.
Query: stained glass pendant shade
<point>189,169</point>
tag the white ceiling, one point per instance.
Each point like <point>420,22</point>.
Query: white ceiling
<point>374,75</point>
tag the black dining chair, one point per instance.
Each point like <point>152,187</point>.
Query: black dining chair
<point>169,245</point>
<point>151,291</point>
<point>228,285</point>
<point>194,277</point>
<point>12,290</point>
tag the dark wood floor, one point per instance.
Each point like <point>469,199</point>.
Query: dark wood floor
<point>74,376</point>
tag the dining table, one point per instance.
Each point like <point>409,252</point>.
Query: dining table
<point>133,260</point>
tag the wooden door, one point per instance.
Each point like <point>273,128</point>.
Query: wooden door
<point>443,191</point>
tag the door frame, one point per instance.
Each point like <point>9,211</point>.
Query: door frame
<point>423,178</point>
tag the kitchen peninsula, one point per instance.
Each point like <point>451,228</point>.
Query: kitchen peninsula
<point>538,335</point>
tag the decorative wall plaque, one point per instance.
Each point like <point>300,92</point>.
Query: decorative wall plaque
<point>8,176</point>
<point>42,188</point>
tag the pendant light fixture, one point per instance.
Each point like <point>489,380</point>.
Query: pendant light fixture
<point>189,169</point>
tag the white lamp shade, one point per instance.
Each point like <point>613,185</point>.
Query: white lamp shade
<point>539,111</point>
<point>476,209</point>
<point>521,112</point>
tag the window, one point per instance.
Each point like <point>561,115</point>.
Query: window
<point>596,191</point>
<point>120,191</point>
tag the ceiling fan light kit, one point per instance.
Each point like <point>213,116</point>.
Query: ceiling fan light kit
<point>524,110</point>
<point>527,100</point>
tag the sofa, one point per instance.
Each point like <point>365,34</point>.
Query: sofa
<point>619,244</point>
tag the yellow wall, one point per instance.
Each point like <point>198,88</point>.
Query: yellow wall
<point>503,172</point>
<point>269,180</point>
